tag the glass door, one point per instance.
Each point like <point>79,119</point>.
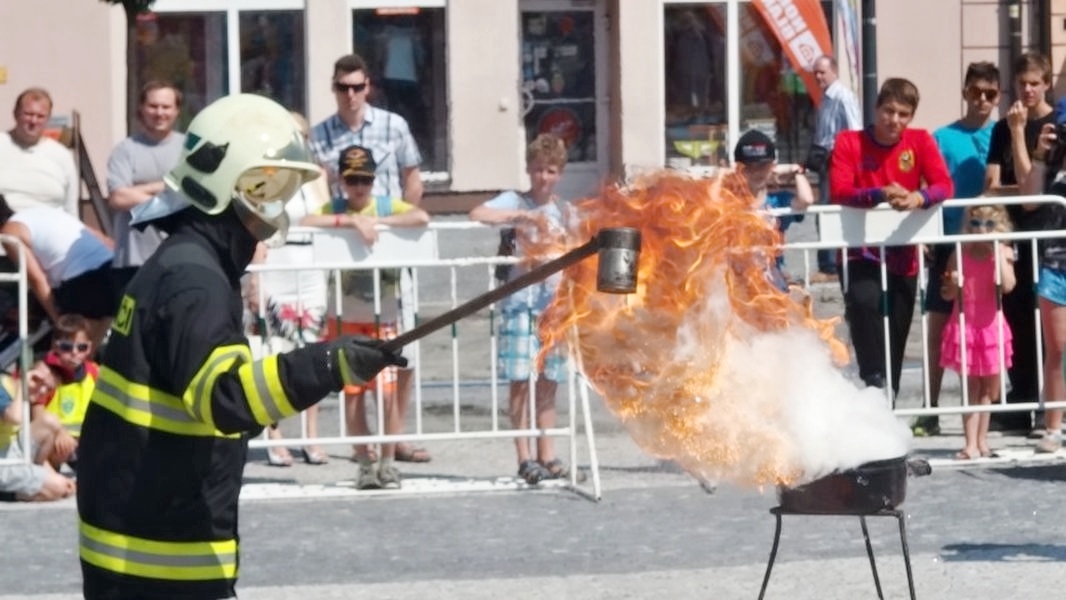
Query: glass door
<point>563,87</point>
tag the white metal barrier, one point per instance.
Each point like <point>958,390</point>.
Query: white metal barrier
<point>881,227</point>
<point>22,346</point>
<point>418,250</point>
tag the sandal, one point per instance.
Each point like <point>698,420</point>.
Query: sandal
<point>532,472</point>
<point>412,455</point>
<point>556,469</point>
<point>315,456</point>
<point>964,455</point>
<point>371,455</point>
<point>279,457</point>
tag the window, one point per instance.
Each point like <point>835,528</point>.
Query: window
<point>193,51</point>
<point>272,56</point>
<point>405,52</point>
<point>175,47</point>
<point>772,96</point>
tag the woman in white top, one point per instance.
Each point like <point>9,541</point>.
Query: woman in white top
<point>68,265</point>
<point>295,299</point>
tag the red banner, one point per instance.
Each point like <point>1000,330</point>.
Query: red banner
<point>801,29</point>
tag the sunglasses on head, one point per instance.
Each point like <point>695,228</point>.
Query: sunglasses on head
<point>68,346</point>
<point>987,94</point>
<point>983,223</point>
<point>359,180</point>
<point>344,88</point>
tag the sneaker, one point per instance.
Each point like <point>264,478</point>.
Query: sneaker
<point>1050,444</point>
<point>926,426</point>
<point>389,477</point>
<point>1037,434</point>
<point>368,477</point>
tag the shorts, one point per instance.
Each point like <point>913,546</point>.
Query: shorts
<point>94,294</point>
<point>934,302</point>
<point>385,331</point>
<point>519,346</point>
<point>25,479</point>
<point>296,323</point>
<point>1052,285</point>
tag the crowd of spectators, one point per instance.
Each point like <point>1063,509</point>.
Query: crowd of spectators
<point>370,163</point>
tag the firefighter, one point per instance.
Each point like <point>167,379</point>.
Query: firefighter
<point>165,436</point>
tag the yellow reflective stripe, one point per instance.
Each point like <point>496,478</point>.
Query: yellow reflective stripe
<point>184,561</point>
<point>266,397</point>
<point>146,407</point>
<point>197,395</point>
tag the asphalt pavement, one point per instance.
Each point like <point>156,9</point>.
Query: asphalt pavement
<point>464,526</point>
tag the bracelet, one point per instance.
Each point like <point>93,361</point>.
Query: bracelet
<point>336,220</point>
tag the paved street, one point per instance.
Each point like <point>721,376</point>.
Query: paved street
<point>988,529</point>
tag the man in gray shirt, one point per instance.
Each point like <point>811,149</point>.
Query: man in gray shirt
<point>136,167</point>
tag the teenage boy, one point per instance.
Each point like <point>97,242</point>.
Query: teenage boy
<point>964,146</point>
<point>888,162</point>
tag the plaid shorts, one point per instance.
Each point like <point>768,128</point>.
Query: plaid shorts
<point>519,345</point>
<point>385,331</point>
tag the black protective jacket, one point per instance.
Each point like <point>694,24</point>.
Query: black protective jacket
<point>165,437</point>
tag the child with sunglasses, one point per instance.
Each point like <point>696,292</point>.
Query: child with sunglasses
<point>358,314</point>
<point>976,341</point>
<point>70,362</point>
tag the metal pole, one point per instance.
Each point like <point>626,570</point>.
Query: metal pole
<point>1014,26</point>
<point>869,58</point>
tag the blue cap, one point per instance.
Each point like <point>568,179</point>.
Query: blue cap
<point>1060,111</point>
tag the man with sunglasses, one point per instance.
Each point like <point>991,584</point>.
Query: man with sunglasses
<point>964,146</point>
<point>357,123</point>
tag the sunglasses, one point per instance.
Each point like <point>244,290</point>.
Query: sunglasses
<point>359,180</point>
<point>986,94</point>
<point>986,224</point>
<point>344,88</point>
<point>65,346</point>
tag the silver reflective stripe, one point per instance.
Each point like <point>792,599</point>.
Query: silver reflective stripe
<point>156,409</point>
<point>161,560</point>
<point>262,389</point>
<point>201,386</point>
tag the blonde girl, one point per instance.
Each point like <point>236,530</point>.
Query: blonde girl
<point>977,339</point>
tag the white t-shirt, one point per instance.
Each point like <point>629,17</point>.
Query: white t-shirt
<point>41,175</point>
<point>306,287</point>
<point>62,245</point>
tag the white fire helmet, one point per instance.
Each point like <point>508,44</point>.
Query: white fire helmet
<point>242,149</point>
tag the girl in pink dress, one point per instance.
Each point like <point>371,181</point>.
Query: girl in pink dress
<point>987,348</point>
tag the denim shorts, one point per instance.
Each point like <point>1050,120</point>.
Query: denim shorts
<point>1052,285</point>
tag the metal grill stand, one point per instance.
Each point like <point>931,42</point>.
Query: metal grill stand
<point>778,512</point>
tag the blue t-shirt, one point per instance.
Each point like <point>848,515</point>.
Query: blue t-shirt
<point>783,199</point>
<point>538,295</point>
<point>965,152</point>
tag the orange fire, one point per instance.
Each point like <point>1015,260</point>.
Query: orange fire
<point>656,355</point>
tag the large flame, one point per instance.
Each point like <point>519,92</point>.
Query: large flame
<point>669,359</point>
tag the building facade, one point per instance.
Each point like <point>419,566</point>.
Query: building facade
<point>630,84</point>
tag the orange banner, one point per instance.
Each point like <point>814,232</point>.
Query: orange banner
<point>801,29</point>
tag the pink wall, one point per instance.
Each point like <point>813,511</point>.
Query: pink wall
<point>68,47</point>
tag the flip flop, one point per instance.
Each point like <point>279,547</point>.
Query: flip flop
<point>412,455</point>
<point>964,455</point>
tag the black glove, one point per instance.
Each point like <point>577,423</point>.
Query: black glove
<point>356,359</point>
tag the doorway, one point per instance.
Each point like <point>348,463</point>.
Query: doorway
<point>564,90</point>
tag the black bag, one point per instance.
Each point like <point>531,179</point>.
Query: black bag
<point>817,159</point>
<point>507,248</point>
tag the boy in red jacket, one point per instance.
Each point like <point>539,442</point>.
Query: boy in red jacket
<point>886,162</point>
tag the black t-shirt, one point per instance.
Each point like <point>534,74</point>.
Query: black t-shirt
<point>999,152</point>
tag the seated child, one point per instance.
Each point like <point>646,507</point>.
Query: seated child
<point>29,482</point>
<point>74,373</point>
